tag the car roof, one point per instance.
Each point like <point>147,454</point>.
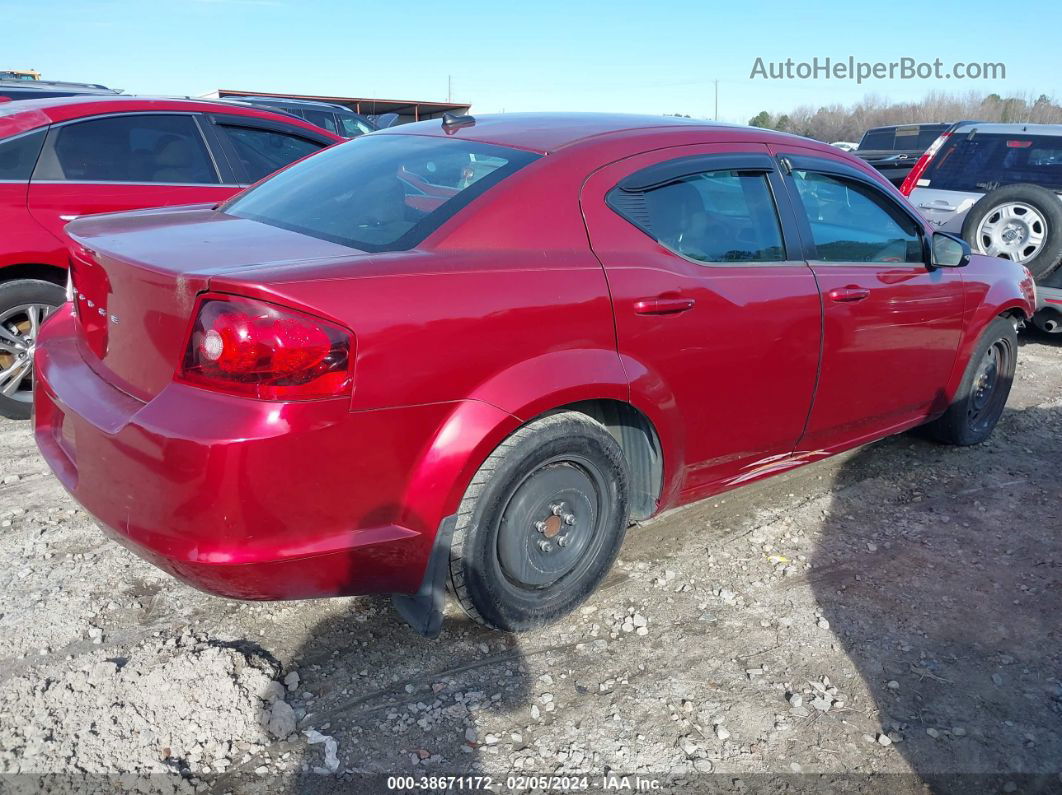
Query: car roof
<point>27,114</point>
<point>1009,128</point>
<point>549,132</point>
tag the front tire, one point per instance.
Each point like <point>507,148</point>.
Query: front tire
<point>24,303</point>
<point>541,523</point>
<point>984,389</point>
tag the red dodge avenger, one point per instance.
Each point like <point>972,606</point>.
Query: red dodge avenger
<point>471,353</point>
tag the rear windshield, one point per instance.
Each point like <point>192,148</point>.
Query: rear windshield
<point>984,161</point>
<point>378,192</point>
<point>889,139</point>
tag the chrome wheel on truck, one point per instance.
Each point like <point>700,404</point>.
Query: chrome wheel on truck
<point>1014,231</point>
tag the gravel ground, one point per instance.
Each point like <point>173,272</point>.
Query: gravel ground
<point>893,610</point>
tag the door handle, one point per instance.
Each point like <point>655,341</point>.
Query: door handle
<point>847,295</point>
<point>662,305</point>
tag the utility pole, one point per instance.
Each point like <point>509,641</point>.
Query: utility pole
<point>449,88</point>
<point>716,99</point>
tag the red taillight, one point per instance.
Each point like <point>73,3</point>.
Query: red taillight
<point>910,182</point>
<point>253,348</point>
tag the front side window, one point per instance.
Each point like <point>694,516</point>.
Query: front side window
<point>851,222</point>
<point>379,192</point>
<point>711,217</point>
<point>18,155</point>
<point>132,148</point>
<point>261,152</point>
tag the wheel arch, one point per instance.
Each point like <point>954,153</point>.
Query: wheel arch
<point>34,270</point>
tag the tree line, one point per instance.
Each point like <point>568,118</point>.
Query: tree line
<point>848,123</point>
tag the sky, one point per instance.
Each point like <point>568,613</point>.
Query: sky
<point>549,55</point>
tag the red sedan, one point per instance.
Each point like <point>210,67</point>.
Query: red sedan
<point>475,351</point>
<point>65,157</point>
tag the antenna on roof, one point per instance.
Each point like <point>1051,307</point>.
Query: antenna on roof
<point>452,122</point>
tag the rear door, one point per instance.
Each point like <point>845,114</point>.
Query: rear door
<point>124,162</point>
<point>717,314</point>
<point>255,148</point>
<point>892,324</point>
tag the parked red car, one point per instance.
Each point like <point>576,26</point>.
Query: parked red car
<point>65,157</point>
<point>474,351</point>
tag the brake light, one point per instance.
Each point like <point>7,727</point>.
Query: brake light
<point>254,348</point>
<point>910,182</point>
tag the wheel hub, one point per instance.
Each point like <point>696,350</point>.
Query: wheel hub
<point>548,525</point>
<point>1014,231</point>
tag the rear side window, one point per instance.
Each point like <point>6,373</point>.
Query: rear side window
<point>379,192</point>
<point>912,136</point>
<point>133,148</point>
<point>18,155</point>
<point>851,222</point>
<point>711,217</point>
<point>980,162</point>
<point>261,152</point>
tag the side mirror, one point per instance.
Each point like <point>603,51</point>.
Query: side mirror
<point>950,251</point>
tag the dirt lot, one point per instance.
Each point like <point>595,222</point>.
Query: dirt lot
<point>895,610</point>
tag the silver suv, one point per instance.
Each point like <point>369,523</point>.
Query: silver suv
<point>999,186</point>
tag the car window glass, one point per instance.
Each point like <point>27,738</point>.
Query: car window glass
<point>379,192</point>
<point>353,126</point>
<point>851,222</point>
<point>980,162</point>
<point>321,118</point>
<point>261,152</point>
<point>19,154</point>
<point>715,216</point>
<point>878,140</point>
<point>131,148</point>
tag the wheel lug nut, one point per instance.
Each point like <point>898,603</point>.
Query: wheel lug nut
<point>557,508</point>
<point>562,541</point>
<point>569,518</point>
<point>540,526</point>
<point>545,546</point>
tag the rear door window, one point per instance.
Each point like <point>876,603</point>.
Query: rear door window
<point>980,162</point>
<point>259,151</point>
<point>132,148</point>
<point>18,155</point>
<point>711,217</point>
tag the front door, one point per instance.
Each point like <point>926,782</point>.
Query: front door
<point>892,323</point>
<point>718,317</point>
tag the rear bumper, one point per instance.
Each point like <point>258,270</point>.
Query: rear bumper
<point>241,498</point>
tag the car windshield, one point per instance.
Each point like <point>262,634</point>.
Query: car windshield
<point>979,162</point>
<point>378,192</point>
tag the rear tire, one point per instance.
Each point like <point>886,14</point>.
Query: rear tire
<point>983,392</point>
<point>541,523</point>
<point>24,303</point>
<point>1041,202</point>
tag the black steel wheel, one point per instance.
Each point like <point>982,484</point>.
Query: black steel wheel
<point>541,523</point>
<point>985,387</point>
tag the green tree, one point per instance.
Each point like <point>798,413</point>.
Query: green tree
<point>761,119</point>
